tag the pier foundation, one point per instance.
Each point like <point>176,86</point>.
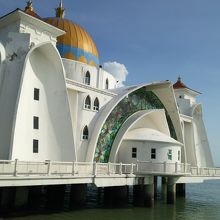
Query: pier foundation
<point>171,191</point>
<point>181,190</point>
<point>143,194</point>
<point>115,195</point>
<point>164,181</point>
<point>78,195</point>
<point>149,195</point>
<point>21,197</point>
<point>55,196</point>
<point>155,186</point>
<point>34,196</point>
<point>7,197</point>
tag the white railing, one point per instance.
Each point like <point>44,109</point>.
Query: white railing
<point>204,171</point>
<point>163,168</point>
<point>93,169</point>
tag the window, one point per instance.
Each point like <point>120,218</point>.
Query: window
<point>36,122</point>
<point>87,78</point>
<point>106,84</point>
<point>134,152</point>
<point>35,146</point>
<point>88,102</point>
<point>36,94</point>
<point>85,133</point>
<point>153,153</point>
<point>169,154</point>
<point>179,155</point>
<point>96,104</point>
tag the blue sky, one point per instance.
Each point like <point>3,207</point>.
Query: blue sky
<point>155,40</point>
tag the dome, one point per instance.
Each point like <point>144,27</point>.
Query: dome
<point>76,44</point>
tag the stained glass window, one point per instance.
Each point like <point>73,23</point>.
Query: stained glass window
<point>134,102</point>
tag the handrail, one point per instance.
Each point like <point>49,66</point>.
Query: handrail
<point>57,168</point>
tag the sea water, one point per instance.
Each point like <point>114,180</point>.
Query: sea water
<point>202,202</point>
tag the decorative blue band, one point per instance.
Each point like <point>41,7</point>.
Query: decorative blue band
<point>77,53</point>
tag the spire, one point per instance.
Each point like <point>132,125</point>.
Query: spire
<point>60,11</point>
<point>29,6</point>
<point>179,79</point>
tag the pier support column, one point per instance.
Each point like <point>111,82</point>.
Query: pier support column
<point>78,195</point>
<point>7,198</point>
<point>181,190</point>
<point>55,196</point>
<point>21,197</point>
<point>143,194</point>
<point>149,195</point>
<point>164,181</point>
<point>115,195</point>
<point>155,187</point>
<point>34,196</point>
<point>171,191</point>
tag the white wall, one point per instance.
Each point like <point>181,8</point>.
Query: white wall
<point>55,133</point>
<point>144,152</point>
<point>14,43</point>
<point>82,117</point>
<point>76,71</point>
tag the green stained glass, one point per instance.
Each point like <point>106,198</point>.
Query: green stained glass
<point>134,102</point>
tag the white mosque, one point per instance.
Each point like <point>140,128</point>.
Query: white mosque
<point>58,103</point>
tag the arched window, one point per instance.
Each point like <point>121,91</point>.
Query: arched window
<point>87,78</point>
<point>85,133</point>
<point>88,102</point>
<point>96,104</point>
<point>106,84</point>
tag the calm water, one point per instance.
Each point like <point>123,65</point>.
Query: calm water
<point>202,202</point>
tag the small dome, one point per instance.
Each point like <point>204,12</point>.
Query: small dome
<point>76,44</point>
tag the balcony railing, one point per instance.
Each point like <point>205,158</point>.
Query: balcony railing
<point>19,168</point>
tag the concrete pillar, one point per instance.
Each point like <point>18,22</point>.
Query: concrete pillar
<point>155,187</point>
<point>34,197</point>
<point>164,181</point>
<point>149,195</point>
<point>138,198</point>
<point>78,195</point>
<point>181,190</point>
<point>7,198</point>
<point>115,195</point>
<point>55,196</point>
<point>171,191</point>
<point>21,197</point>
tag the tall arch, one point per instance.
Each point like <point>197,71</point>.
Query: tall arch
<point>156,94</point>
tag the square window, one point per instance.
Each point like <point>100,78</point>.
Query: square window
<point>35,146</point>
<point>153,153</point>
<point>36,94</point>
<point>134,152</point>
<point>36,122</point>
<point>169,154</point>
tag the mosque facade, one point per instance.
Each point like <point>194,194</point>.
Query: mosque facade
<point>58,103</point>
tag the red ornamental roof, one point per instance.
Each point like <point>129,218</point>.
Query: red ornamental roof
<point>30,11</point>
<point>179,84</point>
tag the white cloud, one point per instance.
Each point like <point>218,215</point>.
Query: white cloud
<point>118,70</point>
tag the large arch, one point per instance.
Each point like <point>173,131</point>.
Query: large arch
<point>154,119</point>
<point>2,58</point>
<point>43,69</point>
<point>151,89</point>
<point>201,143</point>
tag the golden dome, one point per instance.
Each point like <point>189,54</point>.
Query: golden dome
<point>76,44</point>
